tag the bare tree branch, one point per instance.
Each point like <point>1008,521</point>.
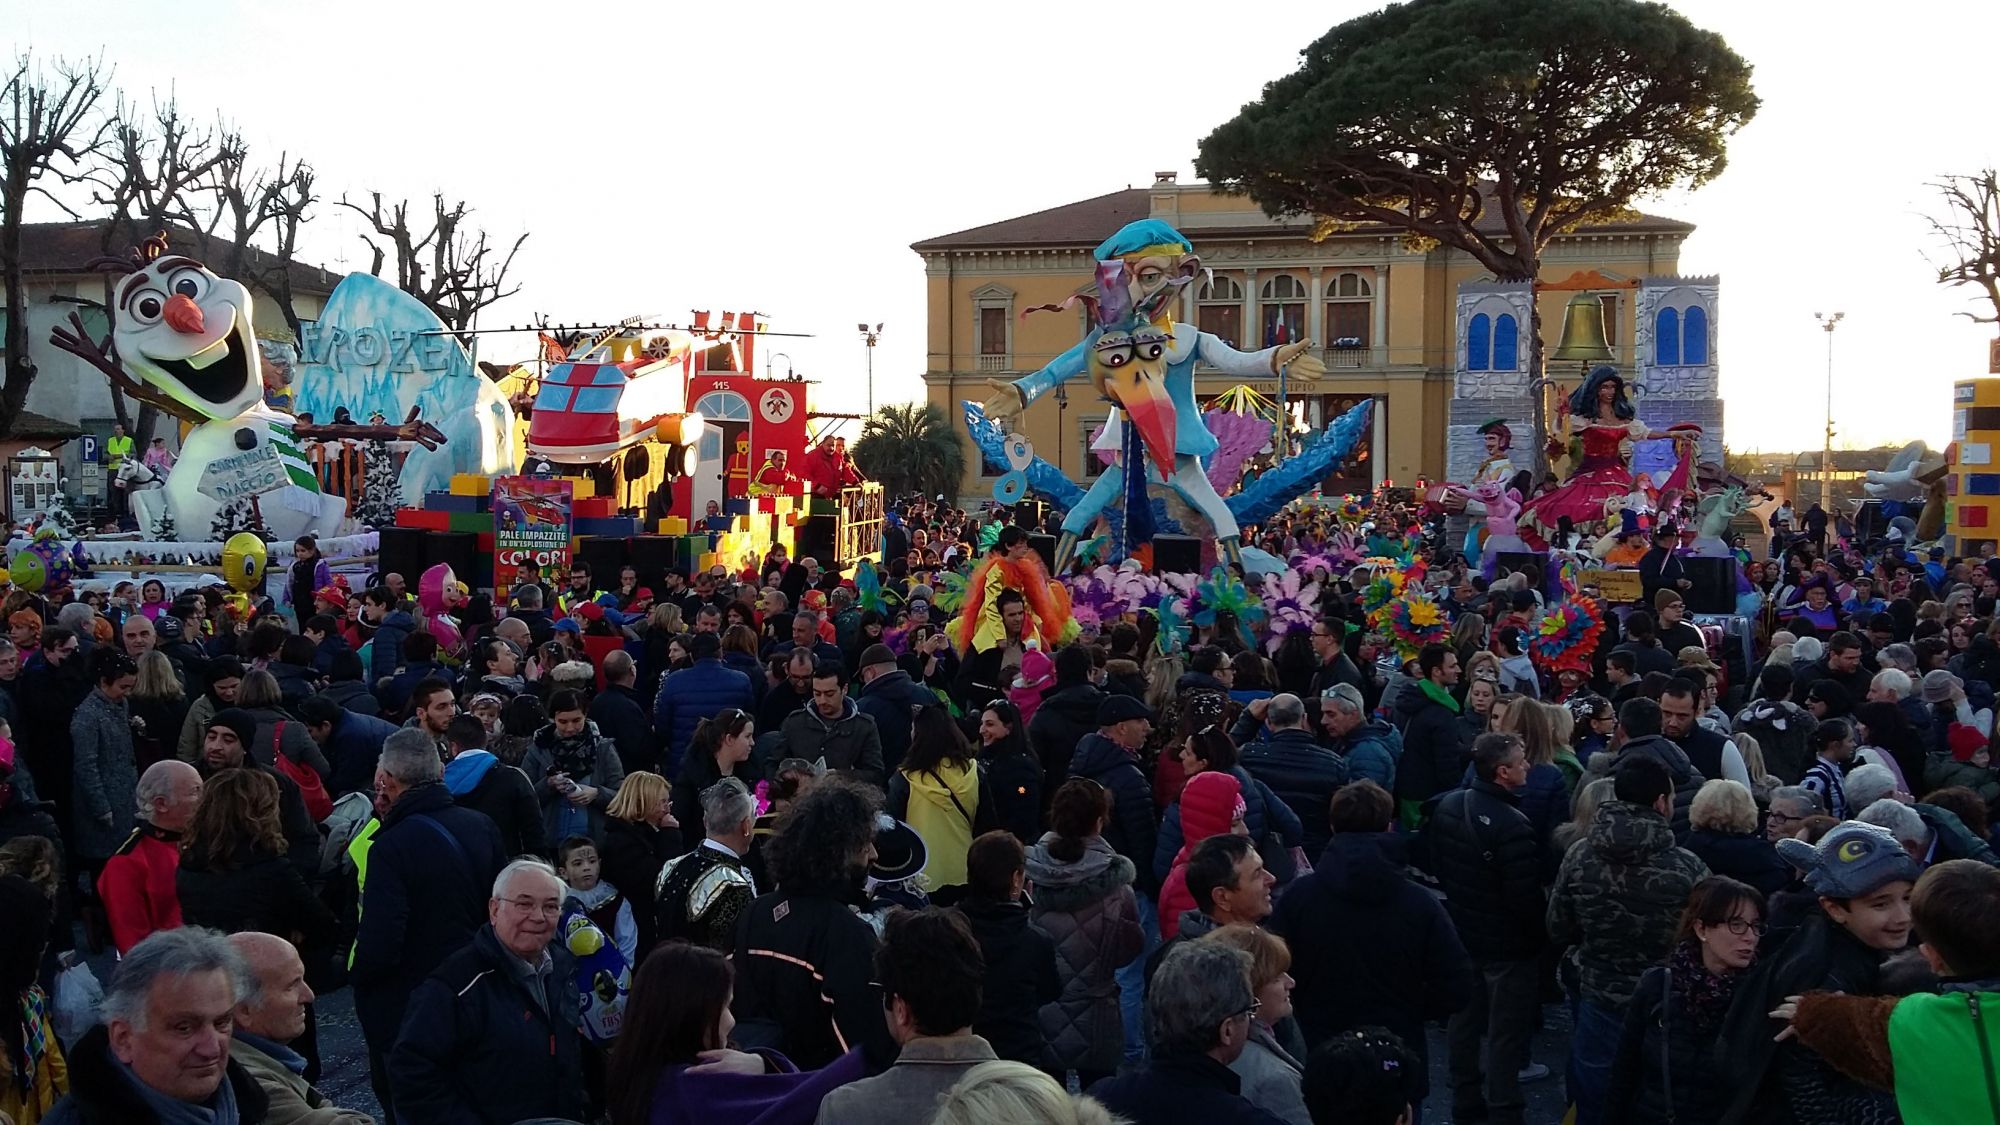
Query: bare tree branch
<point>451,267</point>
<point>45,130</point>
<point>1970,232</point>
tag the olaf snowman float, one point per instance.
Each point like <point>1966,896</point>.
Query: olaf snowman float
<point>182,339</point>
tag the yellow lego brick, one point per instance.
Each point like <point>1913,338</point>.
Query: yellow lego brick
<point>673,525</point>
<point>471,484</point>
<point>583,488</point>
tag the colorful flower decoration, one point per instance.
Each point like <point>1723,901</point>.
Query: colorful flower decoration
<point>1290,606</point>
<point>1411,621</point>
<point>1566,637</point>
<point>1222,592</point>
<point>1174,631</point>
<point>1386,585</point>
<point>948,592</point>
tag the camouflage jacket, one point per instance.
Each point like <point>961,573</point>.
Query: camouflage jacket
<point>1618,897</point>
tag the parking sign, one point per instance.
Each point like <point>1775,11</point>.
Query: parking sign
<point>88,448</point>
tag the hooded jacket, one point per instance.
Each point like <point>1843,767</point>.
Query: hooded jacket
<point>1433,745</point>
<point>947,806</point>
<point>1064,718</point>
<point>1618,897</point>
<point>1662,750</point>
<point>1263,814</point>
<point>1370,947</point>
<point>1088,909</point>
<point>1783,730</point>
<point>890,699</point>
<point>353,749</point>
<point>1208,807</point>
<point>1021,976</point>
<point>478,780</point>
<point>354,696</point>
<point>1373,751</point>
<point>850,743</point>
<point>1131,830</point>
<point>386,647</point>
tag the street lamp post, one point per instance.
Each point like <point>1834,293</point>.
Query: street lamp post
<point>1828,322</point>
<point>868,337</point>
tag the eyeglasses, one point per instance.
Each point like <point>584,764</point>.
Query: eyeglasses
<point>1739,927</point>
<point>1250,1011</point>
<point>1782,818</point>
<point>546,907</point>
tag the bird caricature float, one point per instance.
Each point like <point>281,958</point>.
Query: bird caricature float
<point>182,340</point>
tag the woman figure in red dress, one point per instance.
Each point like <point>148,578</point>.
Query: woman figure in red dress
<point>1601,420</point>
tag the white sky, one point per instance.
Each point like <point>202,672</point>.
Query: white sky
<point>783,156</point>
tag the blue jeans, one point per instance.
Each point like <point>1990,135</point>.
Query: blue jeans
<point>1593,1046</point>
<point>1132,981</point>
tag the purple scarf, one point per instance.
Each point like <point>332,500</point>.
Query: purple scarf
<point>1703,997</point>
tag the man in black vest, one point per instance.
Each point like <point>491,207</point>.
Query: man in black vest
<point>1711,753</point>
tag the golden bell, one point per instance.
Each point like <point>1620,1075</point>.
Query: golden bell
<point>1583,332</point>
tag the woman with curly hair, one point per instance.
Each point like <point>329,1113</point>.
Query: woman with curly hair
<point>804,958</point>
<point>1601,423</point>
<point>234,876</point>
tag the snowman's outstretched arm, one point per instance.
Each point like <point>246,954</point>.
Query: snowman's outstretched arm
<point>76,341</point>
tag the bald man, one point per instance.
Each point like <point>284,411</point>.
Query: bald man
<point>271,1013</point>
<point>137,885</point>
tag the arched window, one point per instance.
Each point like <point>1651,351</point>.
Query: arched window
<point>1667,338</point>
<point>718,406</point>
<point>1350,318</point>
<point>1506,343</point>
<point>1694,335</point>
<point>1479,343</point>
<point>1284,310</point>
<point>1219,310</point>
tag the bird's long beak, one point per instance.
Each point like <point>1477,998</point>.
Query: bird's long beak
<point>1142,394</point>
<point>183,315</point>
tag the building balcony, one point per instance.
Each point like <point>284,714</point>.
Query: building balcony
<point>992,363</point>
<point>1346,355</point>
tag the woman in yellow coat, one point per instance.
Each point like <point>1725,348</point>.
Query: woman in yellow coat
<point>941,792</point>
<point>33,1074</point>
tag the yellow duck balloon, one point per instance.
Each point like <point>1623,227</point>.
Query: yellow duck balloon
<point>243,558</point>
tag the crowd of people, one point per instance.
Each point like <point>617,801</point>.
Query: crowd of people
<point>796,843</point>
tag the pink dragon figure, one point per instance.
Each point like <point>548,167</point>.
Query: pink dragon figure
<point>1503,504</point>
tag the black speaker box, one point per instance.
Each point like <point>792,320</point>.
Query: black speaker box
<point>813,538</point>
<point>653,555</point>
<point>402,551</point>
<point>1176,554</point>
<point>1045,546</point>
<point>458,550</point>
<point>1714,589</point>
<point>606,555</point>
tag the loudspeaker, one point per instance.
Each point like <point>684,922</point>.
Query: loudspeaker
<point>402,551</point>
<point>606,556</point>
<point>814,537</point>
<point>653,555</point>
<point>1045,546</point>
<point>1714,589</point>
<point>458,550</point>
<point>1176,554</point>
<point>1535,565</point>
<point>1028,514</point>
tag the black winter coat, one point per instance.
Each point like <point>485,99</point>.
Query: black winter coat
<point>1662,750</point>
<point>100,1094</point>
<point>891,700</point>
<point>478,1046</point>
<point>1180,1088</point>
<point>509,800</point>
<point>1014,795</point>
<point>1370,947</point>
<point>621,717</point>
<point>1020,978</point>
<point>1661,1054</point>
<point>1302,774</point>
<point>1131,829</point>
<point>633,854</point>
<point>354,696</point>
<point>260,893</point>
<point>1746,857</point>
<point>424,898</point>
<point>1434,746</point>
<point>805,979</point>
<point>1065,716</point>
<point>1485,853</point>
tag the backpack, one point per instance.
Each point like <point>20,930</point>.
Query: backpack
<point>343,823</point>
<point>311,786</point>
